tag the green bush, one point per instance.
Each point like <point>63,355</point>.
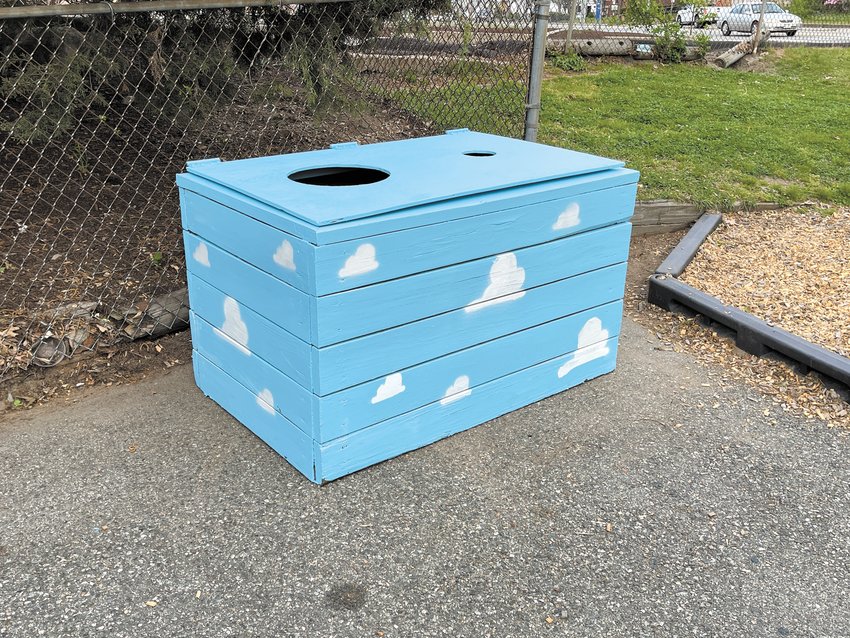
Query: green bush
<point>805,8</point>
<point>703,44</point>
<point>643,13</point>
<point>569,61</point>
<point>670,43</point>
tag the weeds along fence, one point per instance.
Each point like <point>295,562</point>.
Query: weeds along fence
<point>102,104</point>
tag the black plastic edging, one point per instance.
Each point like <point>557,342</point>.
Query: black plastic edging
<point>686,250</point>
<point>752,334</point>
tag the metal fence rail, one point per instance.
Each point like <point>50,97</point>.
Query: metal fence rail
<point>102,104</point>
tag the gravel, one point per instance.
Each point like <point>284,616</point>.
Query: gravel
<point>655,501</point>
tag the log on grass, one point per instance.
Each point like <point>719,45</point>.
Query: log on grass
<point>603,46</point>
<point>730,57</point>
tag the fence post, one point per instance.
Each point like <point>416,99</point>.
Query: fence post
<point>535,76</point>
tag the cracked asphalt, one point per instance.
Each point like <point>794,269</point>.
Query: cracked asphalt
<point>656,501</point>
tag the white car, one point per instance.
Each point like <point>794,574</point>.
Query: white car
<point>698,16</point>
<point>745,17</point>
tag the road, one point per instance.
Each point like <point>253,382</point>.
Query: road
<point>655,501</point>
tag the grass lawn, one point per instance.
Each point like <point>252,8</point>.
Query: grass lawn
<point>833,17</point>
<point>714,137</point>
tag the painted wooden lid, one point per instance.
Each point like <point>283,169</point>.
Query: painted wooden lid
<point>348,181</point>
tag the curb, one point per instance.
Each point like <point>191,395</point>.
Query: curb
<point>753,335</point>
<point>687,248</point>
<point>664,215</point>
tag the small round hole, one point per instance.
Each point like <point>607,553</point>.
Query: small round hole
<point>479,153</point>
<point>339,176</point>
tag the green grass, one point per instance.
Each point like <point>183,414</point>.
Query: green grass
<point>833,17</point>
<point>714,137</point>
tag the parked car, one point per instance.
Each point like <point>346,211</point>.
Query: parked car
<point>697,16</point>
<point>745,17</point>
<point>721,12</point>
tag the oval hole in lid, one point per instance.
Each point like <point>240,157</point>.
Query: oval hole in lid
<point>339,176</point>
<point>479,153</point>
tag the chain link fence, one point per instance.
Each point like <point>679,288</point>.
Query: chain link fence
<point>100,107</point>
<point>101,104</point>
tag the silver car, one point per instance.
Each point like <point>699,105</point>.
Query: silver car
<point>745,17</point>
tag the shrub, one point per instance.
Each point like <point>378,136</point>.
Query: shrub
<point>569,61</point>
<point>643,14</point>
<point>670,44</point>
<point>703,43</point>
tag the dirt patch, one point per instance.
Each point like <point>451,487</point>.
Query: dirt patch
<point>94,217</point>
<point>764,62</point>
<point>789,267</point>
<point>108,366</point>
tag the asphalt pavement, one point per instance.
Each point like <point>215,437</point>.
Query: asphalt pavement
<point>655,501</point>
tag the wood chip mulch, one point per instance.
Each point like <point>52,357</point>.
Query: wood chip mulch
<point>792,393</point>
<point>789,267</point>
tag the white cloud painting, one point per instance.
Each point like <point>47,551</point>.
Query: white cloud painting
<point>457,390</point>
<point>506,280</point>
<point>362,261</point>
<point>391,386</point>
<point>284,255</point>
<point>202,254</point>
<point>266,400</point>
<point>234,330</point>
<point>592,344</point>
<point>568,218</point>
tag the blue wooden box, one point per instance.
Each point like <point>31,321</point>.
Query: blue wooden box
<point>355,303</point>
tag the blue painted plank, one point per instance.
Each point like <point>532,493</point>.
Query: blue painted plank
<point>417,171</point>
<point>405,390</point>
<point>353,264</point>
<point>289,307</point>
<point>467,206</point>
<point>284,256</point>
<point>438,420</point>
<point>349,314</point>
<point>288,397</point>
<point>327,320</point>
<point>334,368</point>
<point>257,415</point>
<point>293,260</point>
<point>283,350</point>
<point>351,362</point>
<point>334,415</point>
